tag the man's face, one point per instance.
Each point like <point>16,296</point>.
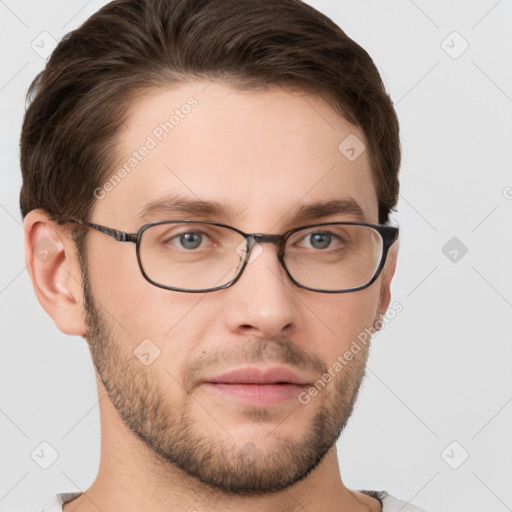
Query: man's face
<point>262,155</point>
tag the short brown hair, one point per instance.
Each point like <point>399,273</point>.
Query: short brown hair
<point>79,102</point>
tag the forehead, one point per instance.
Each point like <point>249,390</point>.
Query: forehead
<point>261,154</point>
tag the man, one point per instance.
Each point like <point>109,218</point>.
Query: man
<point>206,193</point>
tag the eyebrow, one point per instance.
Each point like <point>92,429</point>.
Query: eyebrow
<point>214,210</point>
<point>320,209</point>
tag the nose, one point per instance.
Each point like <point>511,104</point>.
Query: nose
<point>263,301</point>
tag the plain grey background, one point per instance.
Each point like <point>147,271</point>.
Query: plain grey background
<point>434,417</point>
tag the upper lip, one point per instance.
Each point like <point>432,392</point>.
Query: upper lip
<point>255,375</point>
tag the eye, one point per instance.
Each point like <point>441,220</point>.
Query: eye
<point>320,239</point>
<point>189,240</point>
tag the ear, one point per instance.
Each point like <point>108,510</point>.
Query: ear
<point>387,275</point>
<point>50,256</point>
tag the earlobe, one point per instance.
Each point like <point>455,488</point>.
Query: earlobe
<point>50,257</point>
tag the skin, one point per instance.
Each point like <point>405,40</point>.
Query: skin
<point>264,153</point>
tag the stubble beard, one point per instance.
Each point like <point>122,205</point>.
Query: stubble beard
<point>170,431</point>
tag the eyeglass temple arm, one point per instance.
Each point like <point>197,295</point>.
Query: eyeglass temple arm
<point>120,236</point>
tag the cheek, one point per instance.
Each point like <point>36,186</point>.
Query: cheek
<point>138,310</point>
<point>343,318</point>
<point>131,304</point>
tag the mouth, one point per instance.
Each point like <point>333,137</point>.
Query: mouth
<point>257,387</point>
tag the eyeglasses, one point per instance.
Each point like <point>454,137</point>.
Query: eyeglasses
<point>191,256</point>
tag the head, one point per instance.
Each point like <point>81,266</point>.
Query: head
<point>245,106</point>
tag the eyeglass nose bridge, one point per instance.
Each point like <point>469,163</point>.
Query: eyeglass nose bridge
<point>261,238</point>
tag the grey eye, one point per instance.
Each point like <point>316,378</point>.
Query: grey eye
<point>190,240</point>
<point>320,240</point>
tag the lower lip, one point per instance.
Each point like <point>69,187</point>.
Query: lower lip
<point>258,394</point>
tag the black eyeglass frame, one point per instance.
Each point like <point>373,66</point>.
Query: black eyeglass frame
<point>389,235</point>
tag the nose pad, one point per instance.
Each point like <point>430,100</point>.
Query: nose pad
<point>248,250</point>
